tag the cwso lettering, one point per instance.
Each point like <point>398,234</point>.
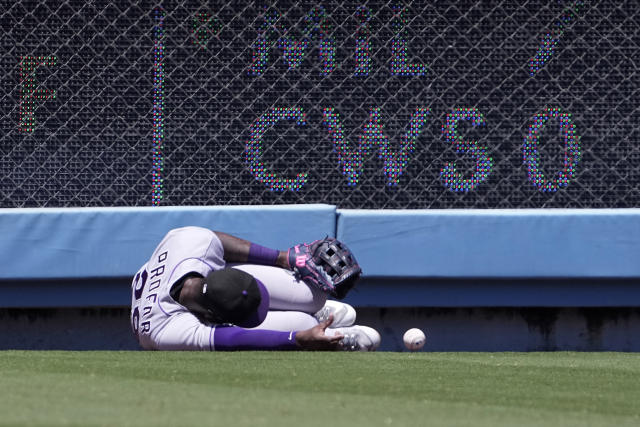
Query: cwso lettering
<point>396,159</point>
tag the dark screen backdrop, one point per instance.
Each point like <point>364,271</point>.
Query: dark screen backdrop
<point>125,103</point>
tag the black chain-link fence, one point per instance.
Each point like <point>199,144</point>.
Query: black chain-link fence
<point>360,104</point>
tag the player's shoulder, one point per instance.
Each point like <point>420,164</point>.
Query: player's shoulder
<point>190,233</point>
<point>191,229</point>
<point>192,239</point>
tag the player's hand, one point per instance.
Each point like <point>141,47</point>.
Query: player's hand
<point>315,338</point>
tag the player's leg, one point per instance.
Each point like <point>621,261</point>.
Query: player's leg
<point>343,314</point>
<point>356,337</point>
<point>289,294</point>
<point>288,321</point>
<point>285,291</point>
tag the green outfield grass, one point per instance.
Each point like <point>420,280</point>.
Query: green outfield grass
<point>51,388</point>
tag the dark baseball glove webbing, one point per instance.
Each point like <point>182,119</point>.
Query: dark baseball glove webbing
<point>327,264</point>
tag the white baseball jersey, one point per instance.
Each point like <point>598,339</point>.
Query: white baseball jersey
<point>158,321</point>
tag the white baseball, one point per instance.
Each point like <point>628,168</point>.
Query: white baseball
<point>414,339</point>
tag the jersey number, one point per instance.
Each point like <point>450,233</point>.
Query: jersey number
<point>138,286</point>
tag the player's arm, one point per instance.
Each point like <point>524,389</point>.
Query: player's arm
<point>187,332</point>
<point>327,263</point>
<point>240,250</point>
<point>233,338</point>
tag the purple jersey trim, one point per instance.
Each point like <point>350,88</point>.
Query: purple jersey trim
<point>162,309</point>
<point>230,338</point>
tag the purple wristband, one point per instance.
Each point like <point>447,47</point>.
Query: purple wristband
<point>261,255</point>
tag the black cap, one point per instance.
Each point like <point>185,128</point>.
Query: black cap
<point>233,296</point>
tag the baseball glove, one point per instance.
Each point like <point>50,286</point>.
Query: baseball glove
<point>327,264</point>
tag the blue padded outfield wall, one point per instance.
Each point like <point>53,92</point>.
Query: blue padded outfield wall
<point>409,257</point>
<point>466,258</point>
<point>473,279</point>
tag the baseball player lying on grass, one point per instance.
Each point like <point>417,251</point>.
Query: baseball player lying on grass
<point>206,290</point>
